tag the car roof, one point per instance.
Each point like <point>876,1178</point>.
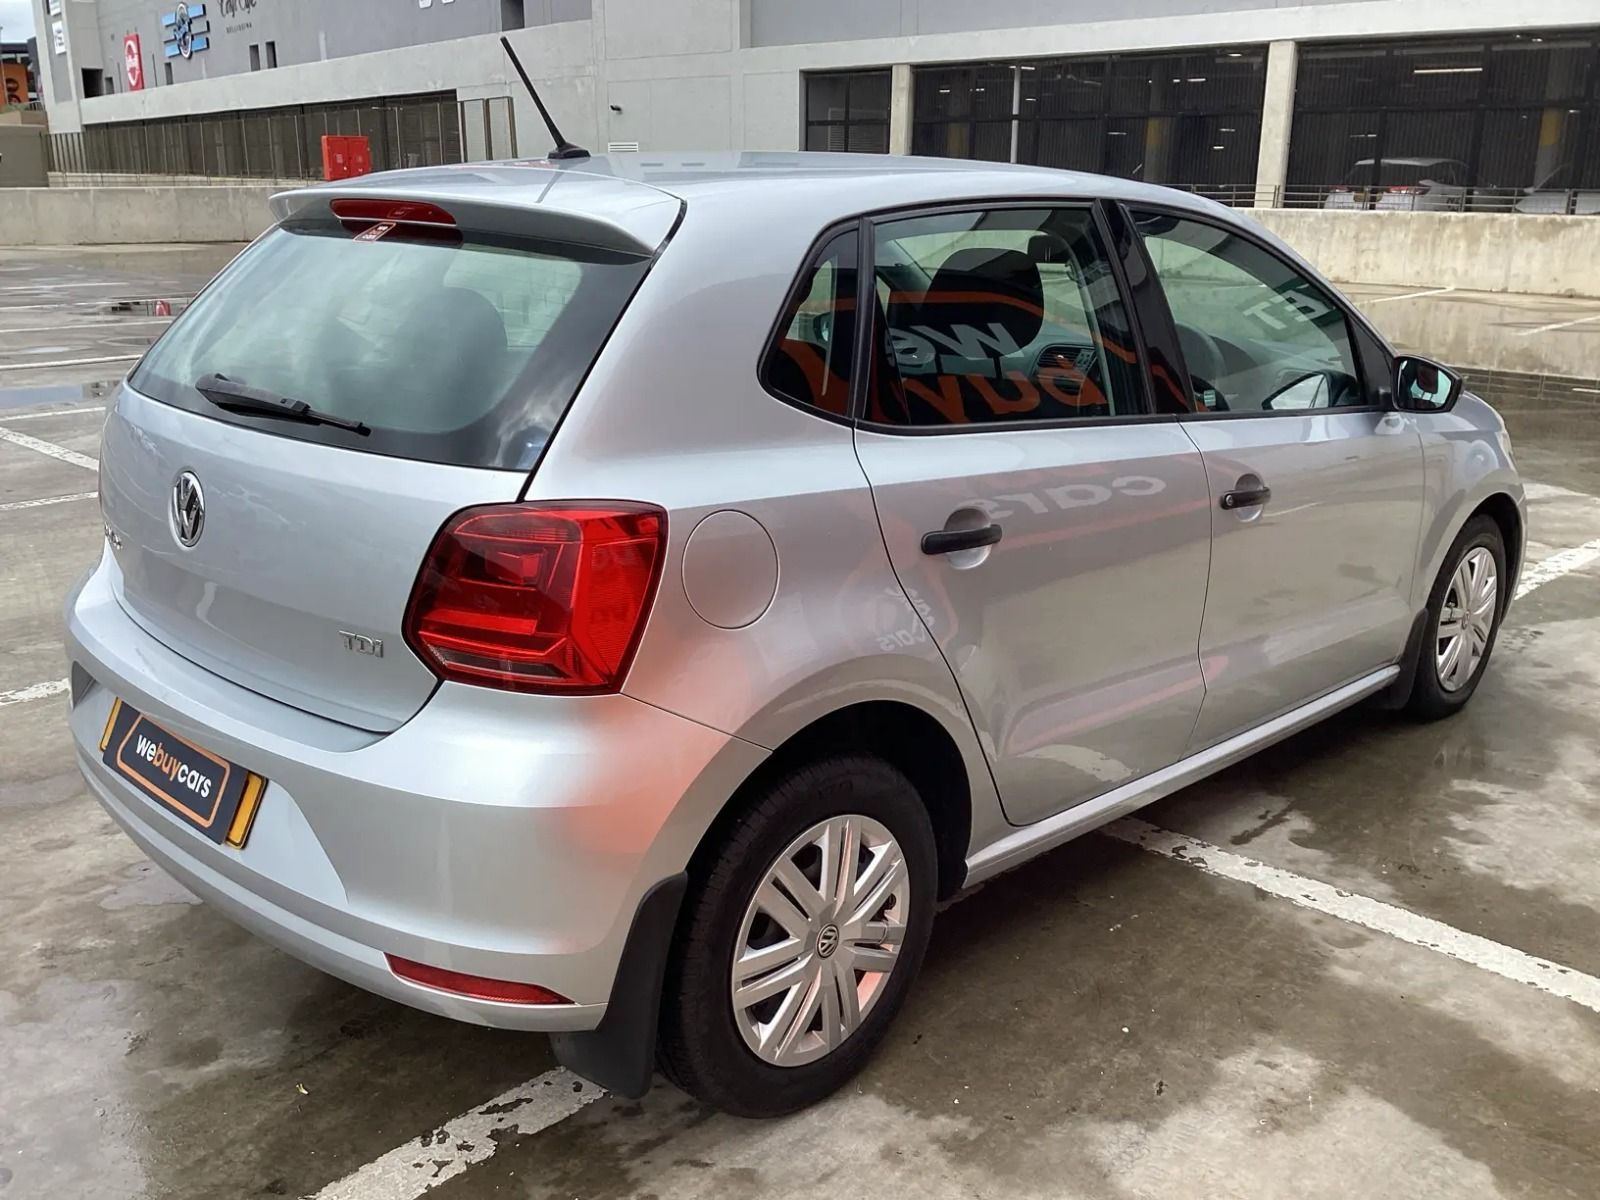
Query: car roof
<point>631,201</point>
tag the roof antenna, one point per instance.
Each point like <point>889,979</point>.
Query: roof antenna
<point>564,148</point>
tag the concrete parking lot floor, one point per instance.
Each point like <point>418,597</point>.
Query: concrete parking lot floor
<point>1363,963</point>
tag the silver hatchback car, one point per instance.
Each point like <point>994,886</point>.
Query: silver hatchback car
<point>620,599</point>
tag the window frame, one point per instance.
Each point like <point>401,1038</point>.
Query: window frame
<point>1367,347</point>
<point>793,294</point>
<point>866,284</point>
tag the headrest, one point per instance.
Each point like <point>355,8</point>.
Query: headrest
<point>982,286</point>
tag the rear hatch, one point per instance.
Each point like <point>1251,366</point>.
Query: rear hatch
<point>437,343</point>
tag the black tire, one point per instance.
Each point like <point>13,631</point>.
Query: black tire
<point>1429,699</point>
<point>700,1048</point>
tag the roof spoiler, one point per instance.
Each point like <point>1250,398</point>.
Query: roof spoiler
<point>475,214</point>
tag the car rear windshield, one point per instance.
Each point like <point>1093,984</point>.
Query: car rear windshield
<point>463,350</point>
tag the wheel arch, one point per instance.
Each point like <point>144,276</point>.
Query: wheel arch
<point>910,739</point>
<point>1505,513</point>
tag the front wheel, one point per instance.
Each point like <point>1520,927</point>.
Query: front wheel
<point>801,939</point>
<point>1464,613</point>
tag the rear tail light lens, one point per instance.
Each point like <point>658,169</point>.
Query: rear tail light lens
<point>478,987</point>
<point>538,598</point>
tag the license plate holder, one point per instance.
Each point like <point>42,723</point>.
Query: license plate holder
<point>202,789</point>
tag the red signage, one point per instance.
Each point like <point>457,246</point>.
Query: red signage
<point>133,62</point>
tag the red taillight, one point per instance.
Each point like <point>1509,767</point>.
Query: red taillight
<point>402,212</point>
<point>479,987</point>
<point>538,598</point>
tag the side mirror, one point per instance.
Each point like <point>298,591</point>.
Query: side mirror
<point>1422,385</point>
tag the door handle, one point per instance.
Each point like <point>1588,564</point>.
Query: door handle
<point>1246,497</point>
<point>949,541</point>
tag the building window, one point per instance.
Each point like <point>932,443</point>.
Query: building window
<point>91,83</point>
<point>272,55</point>
<point>848,110</point>
<point>1191,119</point>
<point>1507,123</point>
<point>964,112</point>
<point>255,57</point>
<point>168,72</point>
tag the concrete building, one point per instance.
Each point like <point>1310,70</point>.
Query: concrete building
<point>1353,103</point>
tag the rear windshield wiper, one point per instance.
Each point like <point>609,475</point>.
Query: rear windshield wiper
<point>241,397</point>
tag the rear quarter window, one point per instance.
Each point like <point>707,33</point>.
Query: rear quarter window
<point>809,359</point>
<point>464,351</point>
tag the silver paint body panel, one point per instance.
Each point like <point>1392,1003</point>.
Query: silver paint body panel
<point>1074,638</point>
<point>1313,588</point>
<point>1075,668</point>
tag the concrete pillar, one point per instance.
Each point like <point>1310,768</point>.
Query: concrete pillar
<point>1277,118</point>
<point>900,109</point>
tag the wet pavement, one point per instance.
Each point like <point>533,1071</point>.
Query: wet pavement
<point>1102,1023</point>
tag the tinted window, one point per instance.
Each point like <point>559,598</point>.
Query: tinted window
<point>810,361</point>
<point>460,352</point>
<point>1000,316</point>
<point>1257,336</point>
<point>848,111</point>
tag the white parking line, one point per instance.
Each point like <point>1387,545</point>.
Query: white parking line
<point>37,691</point>
<point>1558,325</point>
<point>71,362</point>
<point>98,305</point>
<point>43,286</point>
<point>76,325</point>
<point>50,448</point>
<point>13,505</point>
<point>1562,562</point>
<point>1412,295</point>
<point>423,1163</point>
<point>1553,491</point>
<point>51,412</point>
<point>1371,914</point>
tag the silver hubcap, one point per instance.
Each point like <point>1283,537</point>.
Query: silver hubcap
<point>1466,620</point>
<point>819,940</point>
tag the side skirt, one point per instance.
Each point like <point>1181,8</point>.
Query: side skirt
<point>1016,848</point>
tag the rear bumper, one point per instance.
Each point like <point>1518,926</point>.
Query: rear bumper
<point>499,835</point>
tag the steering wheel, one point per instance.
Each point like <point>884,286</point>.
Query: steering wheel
<point>1203,356</point>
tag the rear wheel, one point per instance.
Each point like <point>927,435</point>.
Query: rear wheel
<point>1463,619</point>
<point>801,939</point>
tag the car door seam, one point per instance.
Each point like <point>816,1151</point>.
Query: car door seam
<point>933,640</point>
<point>1205,596</point>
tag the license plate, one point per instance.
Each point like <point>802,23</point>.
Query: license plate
<point>217,797</point>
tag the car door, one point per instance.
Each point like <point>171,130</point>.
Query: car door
<point>1052,532</point>
<point>1316,482</point>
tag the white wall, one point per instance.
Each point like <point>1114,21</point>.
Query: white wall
<point>1551,256</point>
<point>1477,252</point>
<point>59,216</point>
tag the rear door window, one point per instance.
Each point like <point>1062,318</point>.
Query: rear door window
<point>465,350</point>
<point>1000,316</point>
